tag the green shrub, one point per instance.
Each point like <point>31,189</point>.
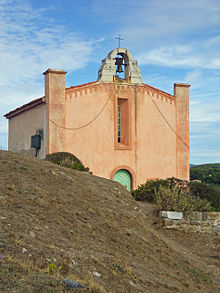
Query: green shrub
<point>146,192</point>
<point>56,158</point>
<point>176,192</point>
<point>206,191</point>
<point>66,160</point>
<point>173,199</point>
<point>208,173</point>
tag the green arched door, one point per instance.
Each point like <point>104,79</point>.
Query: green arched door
<point>123,176</point>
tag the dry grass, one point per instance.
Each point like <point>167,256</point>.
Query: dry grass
<point>86,225</point>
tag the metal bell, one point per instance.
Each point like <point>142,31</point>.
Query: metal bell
<point>119,63</point>
<point>119,69</point>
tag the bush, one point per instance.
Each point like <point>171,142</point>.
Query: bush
<point>173,199</point>
<point>206,191</point>
<point>56,158</point>
<point>208,173</point>
<point>66,160</point>
<point>147,191</point>
<point>194,191</point>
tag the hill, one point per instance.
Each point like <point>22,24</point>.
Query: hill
<point>58,223</point>
<point>209,173</point>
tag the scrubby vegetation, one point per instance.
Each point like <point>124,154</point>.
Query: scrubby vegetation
<point>173,199</point>
<point>67,160</point>
<point>206,191</point>
<point>208,173</point>
<point>147,191</point>
<point>177,195</point>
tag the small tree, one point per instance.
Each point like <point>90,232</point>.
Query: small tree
<point>67,160</point>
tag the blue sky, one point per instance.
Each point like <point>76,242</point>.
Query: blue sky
<point>173,41</point>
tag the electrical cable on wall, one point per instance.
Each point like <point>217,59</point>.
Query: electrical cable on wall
<point>100,112</point>
<point>169,123</point>
<point>76,128</point>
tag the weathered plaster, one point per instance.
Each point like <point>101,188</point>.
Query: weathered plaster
<point>83,120</point>
<point>22,127</point>
<point>106,72</point>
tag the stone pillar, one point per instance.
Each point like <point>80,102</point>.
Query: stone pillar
<point>55,110</point>
<point>181,92</point>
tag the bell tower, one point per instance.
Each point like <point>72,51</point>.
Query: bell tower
<point>119,61</point>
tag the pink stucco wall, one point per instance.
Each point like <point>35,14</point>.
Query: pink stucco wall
<point>82,120</point>
<point>22,127</point>
<point>86,126</point>
<point>181,92</point>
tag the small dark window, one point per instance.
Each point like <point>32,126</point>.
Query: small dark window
<point>119,123</point>
<point>122,122</point>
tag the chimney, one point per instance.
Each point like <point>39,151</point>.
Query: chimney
<point>55,110</point>
<point>181,92</point>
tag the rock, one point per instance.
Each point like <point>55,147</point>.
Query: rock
<point>182,224</point>
<point>214,215</point>
<point>24,250</point>
<point>74,263</point>
<point>171,215</point>
<point>216,229</point>
<point>205,224</point>
<point>32,234</point>
<point>131,283</point>
<point>204,216</point>
<point>194,216</point>
<point>96,274</point>
<point>167,223</point>
<point>48,259</point>
<point>194,223</point>
<point>2,256</point>
<point>206,229</point>
<point>128,232</point>
<point>73,284</point>
<point>191,228</point>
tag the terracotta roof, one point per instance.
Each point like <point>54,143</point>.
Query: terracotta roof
<point>41,100</point>
<point>157,90</point>
<point>81,85</point>
<point>146,85</point>
<point>25,107</point>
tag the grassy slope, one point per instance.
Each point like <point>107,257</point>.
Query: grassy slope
<point>52,215</point>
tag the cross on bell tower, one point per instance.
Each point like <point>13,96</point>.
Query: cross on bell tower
<point>119,39</point>
<point>119,58</point>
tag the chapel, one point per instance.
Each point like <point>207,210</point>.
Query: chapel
<point>118,126</point>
